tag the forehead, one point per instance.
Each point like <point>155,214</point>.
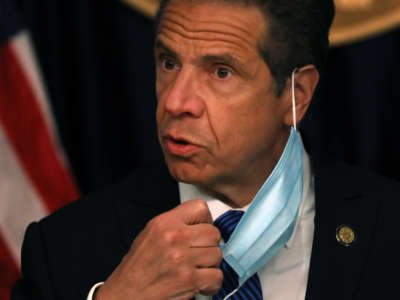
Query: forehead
<point>212,24</point>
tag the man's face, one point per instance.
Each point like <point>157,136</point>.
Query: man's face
<point>219,120</point>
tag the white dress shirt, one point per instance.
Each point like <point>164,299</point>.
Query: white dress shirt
<point>285,276</point>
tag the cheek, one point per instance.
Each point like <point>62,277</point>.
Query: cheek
<point>248,125</point>
<point>230,128</point>
<point>160,94</point>
<point>158,114</point>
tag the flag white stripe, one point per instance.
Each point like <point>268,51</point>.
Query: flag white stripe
<point>19,202</point>
<point>22,47</point>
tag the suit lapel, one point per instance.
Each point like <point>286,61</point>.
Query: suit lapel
<point>336,270</point>
<point>150,192</point>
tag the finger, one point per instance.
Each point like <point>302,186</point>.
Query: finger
<point>209,281</point>
<point>207,257</point>
<point>193,212</point>
<point>204,235</point>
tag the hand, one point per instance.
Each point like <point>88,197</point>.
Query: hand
<point>174,257</point>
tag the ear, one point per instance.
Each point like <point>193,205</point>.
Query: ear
<point>306,80</point>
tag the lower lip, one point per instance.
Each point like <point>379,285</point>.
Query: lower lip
<point>180,149</point>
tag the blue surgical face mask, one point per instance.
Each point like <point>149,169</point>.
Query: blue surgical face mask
<point>270,220</point>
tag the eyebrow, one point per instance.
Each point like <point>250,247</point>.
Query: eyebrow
<point>159,45</point>
<point>224,58</point>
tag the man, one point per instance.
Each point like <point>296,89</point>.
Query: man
<point>228,73</point>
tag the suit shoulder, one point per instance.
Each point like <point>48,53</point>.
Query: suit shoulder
<point>134,190</point>
<point>81,243</point>
<point>356,178</point>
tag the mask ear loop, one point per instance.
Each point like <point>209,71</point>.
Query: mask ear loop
<point>295,128</point>
<point>231,294</point>
<point>294,100</point>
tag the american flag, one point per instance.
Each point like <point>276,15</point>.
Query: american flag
<point>34,176</point>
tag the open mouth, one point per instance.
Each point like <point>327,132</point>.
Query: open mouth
<point>180,142</point>
<point>179,146</point>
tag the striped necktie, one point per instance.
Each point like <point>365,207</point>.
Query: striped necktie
<point>251,289</point>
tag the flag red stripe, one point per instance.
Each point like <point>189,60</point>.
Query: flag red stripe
<point>8,271</point>
<point>27,132</point>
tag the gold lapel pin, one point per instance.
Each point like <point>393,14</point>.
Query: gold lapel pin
<point>345,235</point>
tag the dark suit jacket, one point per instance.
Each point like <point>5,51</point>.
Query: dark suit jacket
<point>65,254</point>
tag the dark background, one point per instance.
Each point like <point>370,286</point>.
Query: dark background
<point>96,58</point>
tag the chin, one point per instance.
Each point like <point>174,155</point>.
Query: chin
<point>187,172</point>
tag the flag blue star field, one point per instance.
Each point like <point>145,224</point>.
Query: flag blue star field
<point>34,176</point>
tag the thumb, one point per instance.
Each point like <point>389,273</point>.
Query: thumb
<point>193,212</point>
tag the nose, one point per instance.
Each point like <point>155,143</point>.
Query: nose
<point>184,96</point>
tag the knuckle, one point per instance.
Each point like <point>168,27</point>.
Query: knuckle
<point>172,237</point>
<point>168,237</point>
<point>156,223</point>
<point>176,257</point>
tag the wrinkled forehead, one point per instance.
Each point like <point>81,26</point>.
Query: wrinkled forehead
<point>212,21</point>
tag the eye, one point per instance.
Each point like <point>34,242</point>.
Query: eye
<point>168,64</point>
<point>222,72</point>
